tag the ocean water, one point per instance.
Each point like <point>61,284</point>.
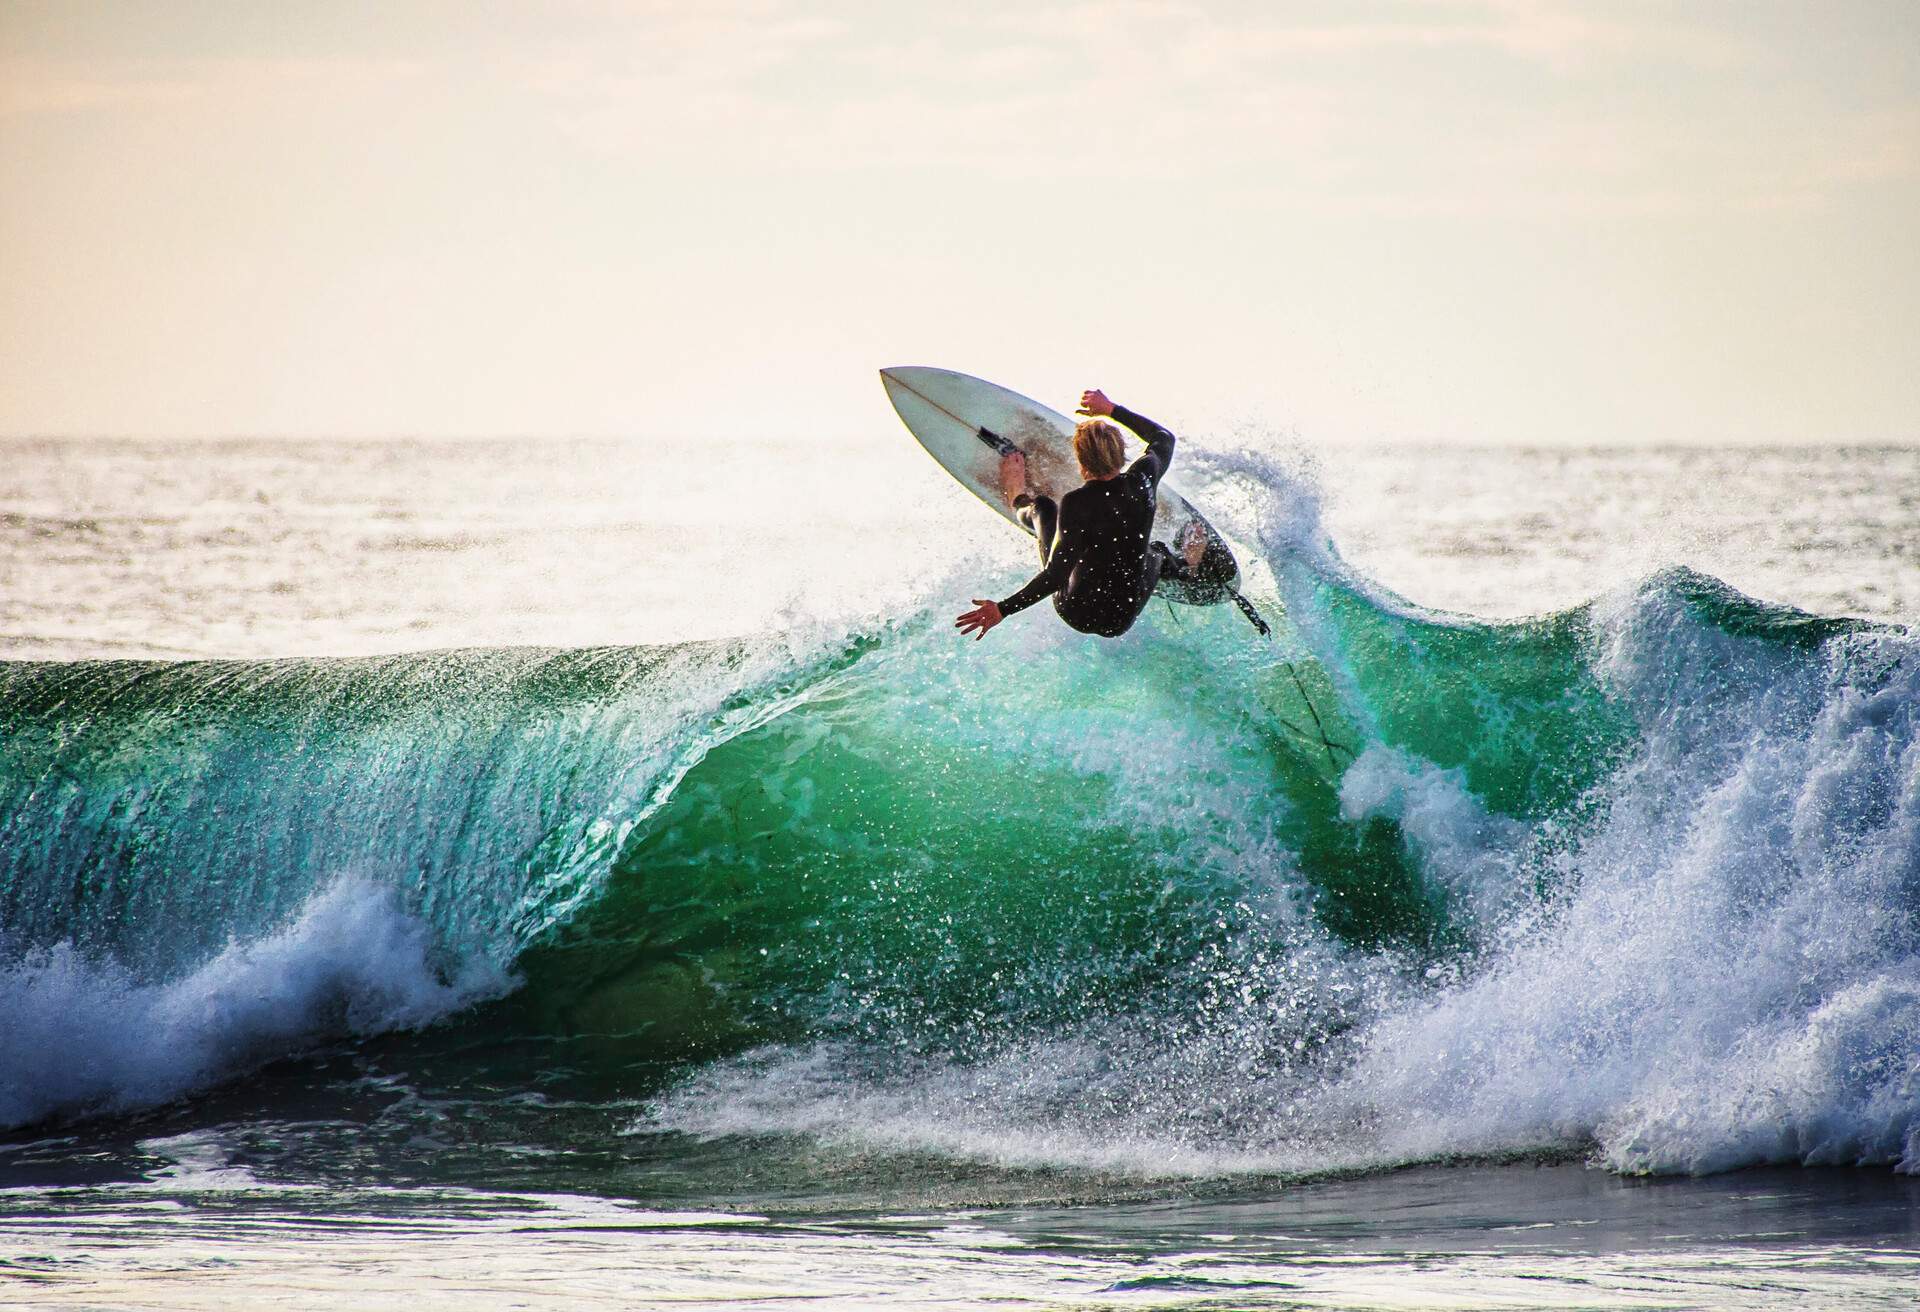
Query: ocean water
<point>504,874</point>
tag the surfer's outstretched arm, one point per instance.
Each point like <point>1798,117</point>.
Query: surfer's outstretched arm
<point>1049,580</point>
<point>1059,549</point>
<point>1058,552</point>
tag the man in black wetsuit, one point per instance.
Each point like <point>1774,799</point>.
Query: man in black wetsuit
<point>1097,562</point>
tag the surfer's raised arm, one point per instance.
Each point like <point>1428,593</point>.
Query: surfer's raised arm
<point>1159,444</point>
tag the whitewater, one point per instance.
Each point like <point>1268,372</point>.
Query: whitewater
<point>836,912</point>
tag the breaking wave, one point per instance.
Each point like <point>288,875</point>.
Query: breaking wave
<point>1639,879</point>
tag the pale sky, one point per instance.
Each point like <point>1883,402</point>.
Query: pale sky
<point>1450,220</point>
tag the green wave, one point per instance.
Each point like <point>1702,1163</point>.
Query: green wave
<point>690,849</point>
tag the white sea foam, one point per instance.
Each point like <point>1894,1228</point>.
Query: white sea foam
<point>1472,853</point>
<point>81,1035</point>
<point>1727,973</point>
<point>1735,979</point>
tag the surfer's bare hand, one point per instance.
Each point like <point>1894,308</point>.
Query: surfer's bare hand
<point>984,616</point>
<point>1094,402</point>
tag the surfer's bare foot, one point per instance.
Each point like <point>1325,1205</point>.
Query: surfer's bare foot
<point>1013,476</point>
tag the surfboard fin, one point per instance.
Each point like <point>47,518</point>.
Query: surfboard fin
<point>1326,744</point>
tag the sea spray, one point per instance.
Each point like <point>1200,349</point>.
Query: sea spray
<point>1671,837</point>
<point>1634,879</point>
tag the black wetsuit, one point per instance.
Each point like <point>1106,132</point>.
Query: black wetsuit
<point>1097,561</point>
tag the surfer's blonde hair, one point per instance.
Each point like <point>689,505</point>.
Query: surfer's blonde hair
<point>1101,449</point>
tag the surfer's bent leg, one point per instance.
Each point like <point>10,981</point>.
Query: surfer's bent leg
<point>1042,515</point>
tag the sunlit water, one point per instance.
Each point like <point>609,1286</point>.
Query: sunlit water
<point>281,549</point>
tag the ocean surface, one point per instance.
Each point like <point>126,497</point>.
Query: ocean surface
<point>487,875</point>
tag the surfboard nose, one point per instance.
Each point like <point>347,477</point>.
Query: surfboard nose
<point>916,378</point>
<point>921,379</point>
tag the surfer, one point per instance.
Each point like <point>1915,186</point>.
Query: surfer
<point>1096,559</point>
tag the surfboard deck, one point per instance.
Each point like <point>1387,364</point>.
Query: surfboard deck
<point>945,411</point>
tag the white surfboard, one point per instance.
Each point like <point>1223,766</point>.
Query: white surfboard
<point>945,411</point>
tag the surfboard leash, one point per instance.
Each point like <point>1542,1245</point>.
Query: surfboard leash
<point>1253,616</point>
<point>1320,729</point>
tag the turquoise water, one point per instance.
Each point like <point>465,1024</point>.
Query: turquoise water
<point>849,921</point>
